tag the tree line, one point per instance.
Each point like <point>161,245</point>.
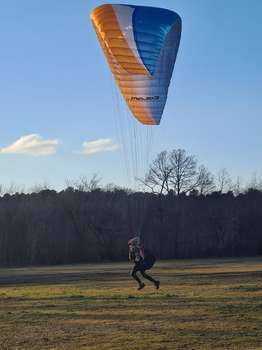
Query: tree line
<point>183,212</point>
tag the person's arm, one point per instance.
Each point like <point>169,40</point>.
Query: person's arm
<point>141,252</point>
<point>131,254</point>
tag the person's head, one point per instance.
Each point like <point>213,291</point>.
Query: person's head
<point>135,241</point>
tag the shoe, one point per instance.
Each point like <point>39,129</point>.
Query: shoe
<point>142,285</point>
<point>157,284</point>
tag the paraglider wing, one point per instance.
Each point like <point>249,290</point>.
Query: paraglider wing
<point>140,44</point>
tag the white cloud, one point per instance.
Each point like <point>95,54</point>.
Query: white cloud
<point>32,144</point>
<point>98,146</point>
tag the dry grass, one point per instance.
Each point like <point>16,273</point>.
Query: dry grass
<point>202,304</point>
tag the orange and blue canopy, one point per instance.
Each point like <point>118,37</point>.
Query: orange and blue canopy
<point>140,44</point>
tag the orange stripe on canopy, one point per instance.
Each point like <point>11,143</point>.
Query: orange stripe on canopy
<point>107,27</point>
<point>121,59</point>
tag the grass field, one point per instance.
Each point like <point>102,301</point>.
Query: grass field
<point>202,304</point>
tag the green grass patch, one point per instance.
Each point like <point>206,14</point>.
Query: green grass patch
<point>210,304</point>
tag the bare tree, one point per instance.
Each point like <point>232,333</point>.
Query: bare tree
<point>224,181</point>
<point>184,174</point>
<point>111,187</point>
<point>205,181</point>
<point>12,189</point>
<point>1,190</point>
<point>177,172</point>
<point>158,177</point>
<point>85,184</point>
<point>255,182</point>
<point>237,187</point>
<point>40,187</point>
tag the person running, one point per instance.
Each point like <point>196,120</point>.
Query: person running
<point>143,259</point>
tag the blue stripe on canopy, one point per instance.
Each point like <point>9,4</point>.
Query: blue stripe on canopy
<point>150,26</point>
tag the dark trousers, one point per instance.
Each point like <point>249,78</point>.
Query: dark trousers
<point>141,267</point>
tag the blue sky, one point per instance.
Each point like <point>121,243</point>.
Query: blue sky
<point>56,87</point>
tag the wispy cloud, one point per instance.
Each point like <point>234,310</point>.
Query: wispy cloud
<point>98,146</point>
<point>33,144</point>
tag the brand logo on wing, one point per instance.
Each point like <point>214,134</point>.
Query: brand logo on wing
<point>143,99</point>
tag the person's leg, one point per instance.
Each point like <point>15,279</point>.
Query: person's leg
<point>149,278</point>
<point>134,275</point>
